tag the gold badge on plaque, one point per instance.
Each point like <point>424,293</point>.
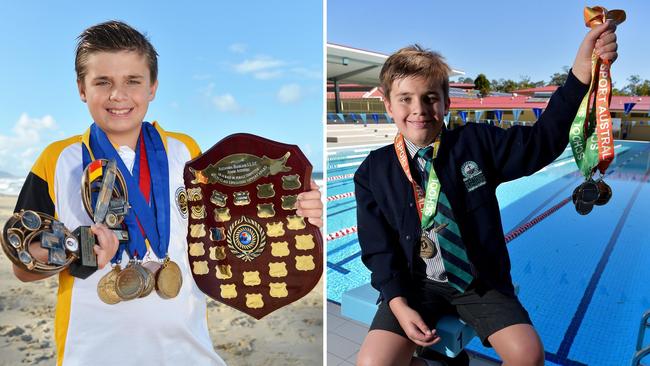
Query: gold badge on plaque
<point>218,198</point>
<point>289,202</point>
<point>265,190</point>
<point>241,198</point>
<point>259,256</point>
<point>265,210</point>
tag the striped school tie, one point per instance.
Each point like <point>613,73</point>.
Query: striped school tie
<point>452,249</point>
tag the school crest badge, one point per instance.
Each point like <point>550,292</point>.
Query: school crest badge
<point>472,176</point>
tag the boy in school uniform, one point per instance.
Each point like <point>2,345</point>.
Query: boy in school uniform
<point>116,70</point>
<point>428,217</point>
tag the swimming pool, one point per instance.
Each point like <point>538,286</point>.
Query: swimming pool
<point>585,280</point>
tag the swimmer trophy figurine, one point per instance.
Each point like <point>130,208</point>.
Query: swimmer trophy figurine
<point>73,250</point>
<point>247,248</point>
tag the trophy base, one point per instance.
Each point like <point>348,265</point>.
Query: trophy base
<point>87,262</point>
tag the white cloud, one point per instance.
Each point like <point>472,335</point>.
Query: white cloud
<point>30,136</point>
<point>266,75</point>
<point>290,93</point>
<point>226,103</point>
<point>259,63</point>
<point>262,67</point>
<point>308,73</point>
<point>238,48</point>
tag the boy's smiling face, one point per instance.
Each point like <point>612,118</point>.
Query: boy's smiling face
<point>117,88</point>
<point>418,107</point>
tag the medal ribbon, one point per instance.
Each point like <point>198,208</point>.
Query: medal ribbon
<point>426,202</point>
<point>154,219</point>
<point>591,137</point>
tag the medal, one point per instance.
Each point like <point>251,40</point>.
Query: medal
<point>149,269</point>
<point>427,248</point>
<point>149,281</point>
<point>130,282</point>
<point>590,136</point>
<point>589,192</point>
<point>605,193</point>
<point>106,287</point>
<point>168,280</point>
<point>585,196</point>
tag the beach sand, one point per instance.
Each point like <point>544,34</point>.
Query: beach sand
<point>290,336</point>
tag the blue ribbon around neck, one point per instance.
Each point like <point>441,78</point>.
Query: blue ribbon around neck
<point>154,217</point>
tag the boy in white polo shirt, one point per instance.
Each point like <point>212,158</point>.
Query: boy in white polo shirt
<point>117,78</point>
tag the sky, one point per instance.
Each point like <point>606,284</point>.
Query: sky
<point>224,67</point>
<point>501,39</point>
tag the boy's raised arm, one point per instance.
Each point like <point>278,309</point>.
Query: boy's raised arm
<point>539,145</point>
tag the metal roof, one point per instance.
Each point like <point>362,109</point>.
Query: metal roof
<point>353,65</point>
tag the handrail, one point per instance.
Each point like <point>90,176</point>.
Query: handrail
<point>644,324</point>
<point>642,353</point>
<point>636,361</point>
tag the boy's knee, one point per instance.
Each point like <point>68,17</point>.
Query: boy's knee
<point>525,355</point>
<point>372,359</point>
<point>366,359</point>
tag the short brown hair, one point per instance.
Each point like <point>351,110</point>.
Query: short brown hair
<point>113,36</point>
<point>415,61</point>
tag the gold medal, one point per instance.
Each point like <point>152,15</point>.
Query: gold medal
<point>130,282</point>
<point>427,248</point>
<point>168,280</point>
<point>149,280</point>
<point>150,269</point>
<point>106,287</point>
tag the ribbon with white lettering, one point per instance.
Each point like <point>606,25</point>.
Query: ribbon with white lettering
<point>591,137</point>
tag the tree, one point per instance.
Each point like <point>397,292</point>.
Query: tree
<point>633,82</point>
<point>465,80</point>
<point>509,86</point>
<point>643,89</point>
<point>559,78</point>
<point>482,84</point>
<point>526,83</point>
<point>636,86</point>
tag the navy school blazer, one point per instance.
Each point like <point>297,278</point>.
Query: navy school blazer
<point>472,161</point>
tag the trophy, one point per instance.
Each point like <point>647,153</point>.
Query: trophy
<point>247,248</point>
<point>73,250</point>
<point>98,180</point>
<point>25,229</point>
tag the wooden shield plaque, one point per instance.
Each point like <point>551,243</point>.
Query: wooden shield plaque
<point>247,248</point>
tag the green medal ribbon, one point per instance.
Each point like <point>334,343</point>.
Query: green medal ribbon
<point>427,202</point>
<point>590,137</point>
<point>585,150</point>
